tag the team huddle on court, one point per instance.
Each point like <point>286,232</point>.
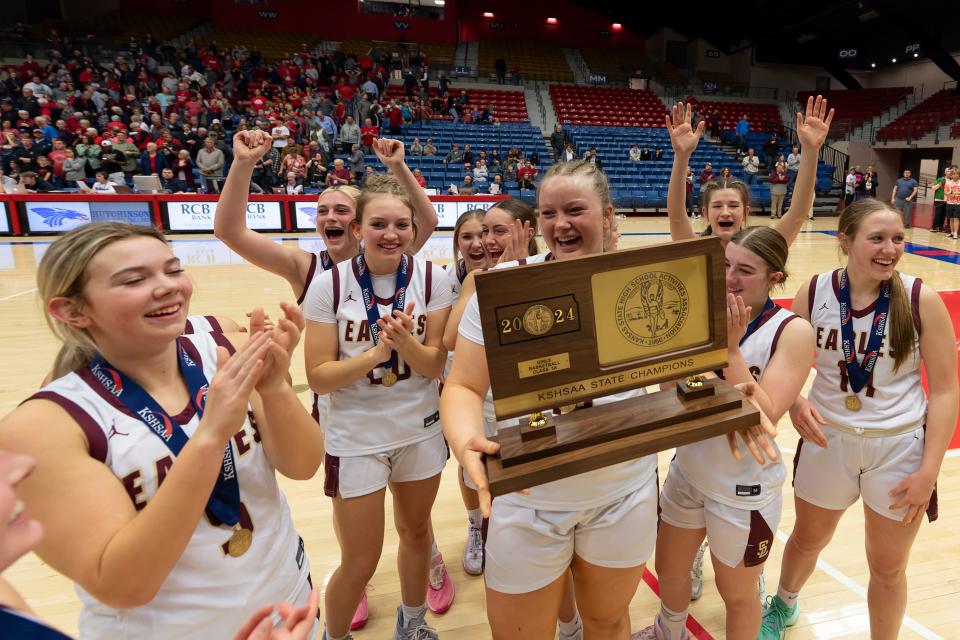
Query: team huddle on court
<point>163,432</point>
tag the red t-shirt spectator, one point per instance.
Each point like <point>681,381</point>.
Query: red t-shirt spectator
<point>346,91</point>
<point>258,103</point>
<point>57,156</point>
<point>422,181</point>
<point>367,134</point>
<point>396,117</point>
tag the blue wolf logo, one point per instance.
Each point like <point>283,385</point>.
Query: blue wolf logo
<point>55,217</point>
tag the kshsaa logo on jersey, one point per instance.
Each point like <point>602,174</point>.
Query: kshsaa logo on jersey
<point>109,378</point>
<point>160,424</point>
<point>56,216</point>
<point>201,398</point>
<point>652,308</point>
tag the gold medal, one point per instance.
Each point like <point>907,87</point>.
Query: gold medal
<point>853,403</point>
<point>239,542</point>
<point>389,379</point>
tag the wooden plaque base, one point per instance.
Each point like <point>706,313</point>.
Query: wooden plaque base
<point>603,435</point>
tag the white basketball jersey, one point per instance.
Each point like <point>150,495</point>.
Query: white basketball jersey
<point>891,399</point>
<point>366,416</point>
<point>319,405</point>
<point>209,593</point>
<point>454,272</point>
<point>202,324</point>
<point>710,467</point>
<point>586,490</point>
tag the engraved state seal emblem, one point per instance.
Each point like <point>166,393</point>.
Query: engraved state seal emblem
<point>537,319</point>
<point>652,308</point>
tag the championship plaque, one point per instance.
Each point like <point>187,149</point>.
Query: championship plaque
<point>561,333</point>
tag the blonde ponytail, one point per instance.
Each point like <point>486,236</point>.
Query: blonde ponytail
<point>901,330</point>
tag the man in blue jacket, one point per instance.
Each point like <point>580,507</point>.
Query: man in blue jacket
<point>743,128</point>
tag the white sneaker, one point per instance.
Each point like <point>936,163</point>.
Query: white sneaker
<point>653,633</point>
<point>576,635</point>
<point>696,573</point>
<point>647,633</point>
<point>473,551</point>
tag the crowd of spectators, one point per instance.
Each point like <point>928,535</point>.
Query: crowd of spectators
<point>484,171</point>
<point>156,110</point>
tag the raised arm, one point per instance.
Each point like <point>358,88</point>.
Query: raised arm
<point>230,223</point>
<point>684,139</point>
<point>812,130</point>
<point>391,153</point>
<point>124,555</point>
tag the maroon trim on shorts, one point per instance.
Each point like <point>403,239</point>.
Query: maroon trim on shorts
<point>95,438</point>
<point>659,510</point>
<point>315,408</point>
<point>759,541</point>
<point>331,475</point>
<point>915,303</point>
<point>796,463</point>
<point>776,336</point>
<point>311,271</point>
<point>933,507</point>
<point>811,293</point>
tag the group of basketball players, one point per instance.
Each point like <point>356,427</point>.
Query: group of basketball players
<point>146,466</point>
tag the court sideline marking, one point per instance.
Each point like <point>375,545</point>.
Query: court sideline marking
<point>855,587</point>
<point>17,295</point>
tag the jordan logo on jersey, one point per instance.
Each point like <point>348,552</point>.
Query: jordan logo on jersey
<point>350,297</point>
<point>823,307</point>
<point>114,432</point>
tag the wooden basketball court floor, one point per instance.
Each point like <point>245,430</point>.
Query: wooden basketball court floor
<point>833,602</point>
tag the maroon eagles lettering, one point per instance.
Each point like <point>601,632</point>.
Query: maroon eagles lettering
<point>133,481</point>
<point>360,331</point>
<point>831,342</point>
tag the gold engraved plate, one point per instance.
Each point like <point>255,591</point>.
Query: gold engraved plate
<point>239,542</point>
<point>538,319</point>
<point>853,403</point>
<point>543,365</point>
<point>587,388</point>
<point>389,379</point>
<point>643,311</point>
